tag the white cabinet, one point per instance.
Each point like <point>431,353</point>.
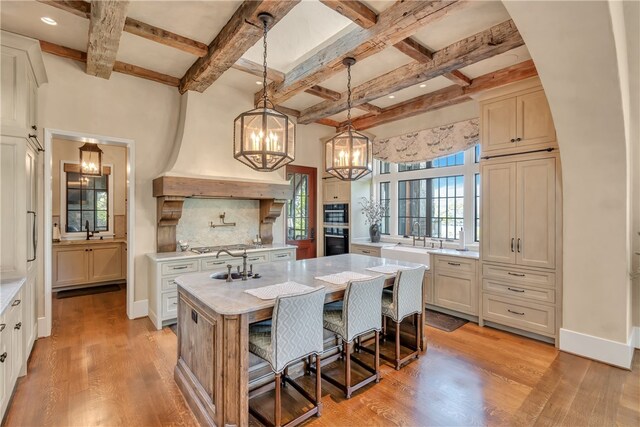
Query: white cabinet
<point>518,122</point>
<point>77,264</point>
<point>12,351</point>
<point>336,191</point>
<point>519,212</point>
<point>163,292</point>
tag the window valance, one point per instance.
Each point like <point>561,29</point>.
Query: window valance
<point>428,144</point>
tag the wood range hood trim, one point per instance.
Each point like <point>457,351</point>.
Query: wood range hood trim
<point>170,192</point>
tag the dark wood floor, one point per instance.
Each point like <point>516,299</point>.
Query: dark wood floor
<point>98,368</point>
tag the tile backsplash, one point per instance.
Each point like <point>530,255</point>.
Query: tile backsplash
<point>198,213</point>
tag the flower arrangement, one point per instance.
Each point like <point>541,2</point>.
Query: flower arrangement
<point>373,211</point>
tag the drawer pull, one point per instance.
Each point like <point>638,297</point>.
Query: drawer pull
<point>282,256</point>
<point>516,290</point>
<point>457,264</point>
<point>2,326</point>
<point>254,259</point>
<point>181,267</point>
<point>515,274</point>
<point>218,262</point>
<point>15,303</point>
<point>3,357</point>
<point>515,312</point>
<point>366,252</point>
<point>18,326</point>
<point>512,243</point>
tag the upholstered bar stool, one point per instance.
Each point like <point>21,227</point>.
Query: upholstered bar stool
<point>405,300</point>
<point>295,334</point>
<point>360,314</point>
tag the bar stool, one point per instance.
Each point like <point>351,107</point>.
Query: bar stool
<point>360,314</point>
<point>403,301</point>
<point>295,334</point>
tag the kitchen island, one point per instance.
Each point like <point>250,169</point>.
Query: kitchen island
<point>213,326</point>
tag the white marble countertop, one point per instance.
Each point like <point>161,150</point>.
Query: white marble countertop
<point>172,256</point>
<point>8,290</point>
<point>455,252</point>
<point>229,298</point>
<point>367,242</point>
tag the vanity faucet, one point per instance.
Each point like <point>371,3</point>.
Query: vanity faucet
<point>244,261</point>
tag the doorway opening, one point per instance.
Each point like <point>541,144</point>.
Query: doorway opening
<point>301,210</point>
<point>88,221</point>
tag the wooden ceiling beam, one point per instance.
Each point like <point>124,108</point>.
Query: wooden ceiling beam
<point>240,33</point>
<point>448,96</point>
<point>497,39</point>
<point>457,77</point>
<point>393,25</point>
<point>256,69</point>
<point>106,24</point>
<point>329,122</point>
<point>354,10</point>
<point>324,93</point>
<point>120,67</point>
<point>83,9</point>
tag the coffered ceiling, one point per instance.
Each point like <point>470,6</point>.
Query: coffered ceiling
<point>302,46</point>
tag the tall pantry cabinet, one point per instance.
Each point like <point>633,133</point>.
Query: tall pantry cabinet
<point>521,215</point>
<point>20,174</point>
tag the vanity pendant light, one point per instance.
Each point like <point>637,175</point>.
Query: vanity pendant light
<point>349,155</point>
<point>264,138</point>
<point>91,159</point>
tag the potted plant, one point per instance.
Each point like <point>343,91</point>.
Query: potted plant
<point>373,212</point>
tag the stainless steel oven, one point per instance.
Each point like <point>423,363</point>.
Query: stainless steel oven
<point>336,241</point>
<point>336,215</point>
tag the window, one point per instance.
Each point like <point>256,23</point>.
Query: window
<point>442,195</point>
<point>476,219</point>
<point>385,200</point>
<point>436,204</point>
<point>87,201</point>
<point>384,167</point>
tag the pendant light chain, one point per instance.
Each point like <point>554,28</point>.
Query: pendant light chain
<point>264,65</point>
<point>349,95</point>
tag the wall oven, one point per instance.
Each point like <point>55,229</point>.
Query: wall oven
<point>336,215</point>
<point>336,241</point>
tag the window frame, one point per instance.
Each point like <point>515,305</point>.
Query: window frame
<point>78,235</point>
<point>468,171</point>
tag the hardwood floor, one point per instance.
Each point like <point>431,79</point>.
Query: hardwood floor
<point>98,368</point>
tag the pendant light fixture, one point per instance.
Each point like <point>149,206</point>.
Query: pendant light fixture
<point>349,155</point>
<point>264,138</point>
<point>91,159</point>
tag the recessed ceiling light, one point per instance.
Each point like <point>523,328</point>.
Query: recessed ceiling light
<point>423,85</point>
<point>258,83</point>
<point>391,96</point>
<point>48,21</point>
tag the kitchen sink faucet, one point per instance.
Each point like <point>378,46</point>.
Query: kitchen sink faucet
<point>418,239</point>
<point>244,261</point>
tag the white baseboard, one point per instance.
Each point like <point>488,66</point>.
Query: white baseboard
<point>139,309</point>
<point>603,350</point>
<point>635,337</point>
<point>43,330</point>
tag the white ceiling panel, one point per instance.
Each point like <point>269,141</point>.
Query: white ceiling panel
<point>475,17</point>
<point>376,65</point>
<point>412,91</point>
<point>379,5</point>
<point>23,17</point>
<point>341,117</point>
<point>497,62</point>
<point>154,56</point>
<point>302,100</point>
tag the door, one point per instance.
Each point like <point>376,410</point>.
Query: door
<point>70,266</point>
<point>498,125</point>
<point>535,124</point>
<point>536,213</point>
<point>30,311</point>
<point>301,210</point>
<point>106,262</point>
<point>498,212</point>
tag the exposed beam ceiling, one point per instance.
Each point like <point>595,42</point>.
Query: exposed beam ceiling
<point>448,96</point>
<point>497,39</point>
<point>156,34</point>
<point>120,67</point>
<point>106,23</point>
<point>393,25</point>
<point>241,32</point>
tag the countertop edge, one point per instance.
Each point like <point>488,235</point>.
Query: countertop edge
<point>12,286</point>
<point>158,256</point>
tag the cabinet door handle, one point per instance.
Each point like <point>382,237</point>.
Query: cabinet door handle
<point>515,274</point>
<point>515,312</point>
<point>516,290</point>
<point>18,326</point>
<point>181,267</point>
<point>513,140</point>
<point>512,243</point>
<point>3,357</point>
<point>15,303</point>
<point>457,264</point>
<point>2,326</point>
<point>518,245</point>
<point>34,237</point>
<point>518,139</point>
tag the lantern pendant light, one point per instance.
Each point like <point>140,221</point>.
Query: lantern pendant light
<point>264,138</point>
<point>91,159</point>
<point>349,155</point>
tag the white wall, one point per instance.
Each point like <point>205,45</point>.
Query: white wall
<point>587,106</point>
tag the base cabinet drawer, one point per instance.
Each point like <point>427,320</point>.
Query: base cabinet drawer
<point>219,264</point>
<point>520,314</point>
<point>521,276</point>
<point>287,255</point>
<point>517,291</point>
<point>460,264</point>
<point>179,267</point>
<point>169,305</point>
<point>456,292</point>
<point>365,250</point>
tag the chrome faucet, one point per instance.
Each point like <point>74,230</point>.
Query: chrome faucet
<point>418,239</point>
<point>244,262</point>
